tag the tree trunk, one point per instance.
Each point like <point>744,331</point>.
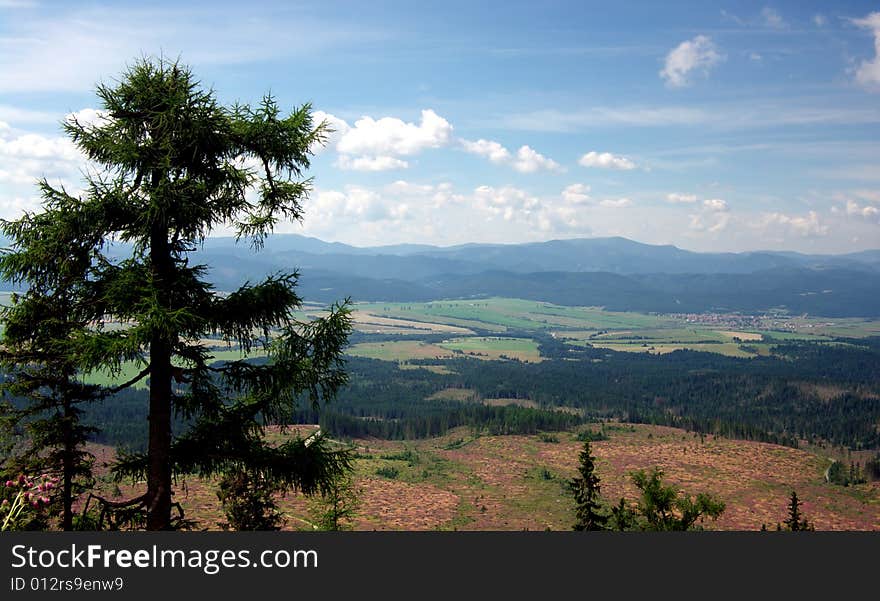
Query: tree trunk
<point>159,449</point>
<point>67,468</point>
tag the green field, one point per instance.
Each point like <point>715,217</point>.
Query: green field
<point>470,325</point>
<point>129,369</point>
<point>524,349</point>
<point>502,314</point>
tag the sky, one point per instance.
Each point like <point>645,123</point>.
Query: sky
<point>713,126</point>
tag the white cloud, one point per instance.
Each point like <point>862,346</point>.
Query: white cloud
<point>493,151</point>
<point>864,211</point>
<point>390,136</point>
<point>698,54</point>
<point>354,202</point>
<point>528,161</point>
<point>820,20</point>
<point>432,196</point>
<point>772,18</point>
<point>676,198</point>
<point>367,163</point>
<point>868,72</point>
<point>508,202</point>
<point>26,157</point>
<point>715,205</point>
<point>754,56</point>
<point>576,194</point>
<point>851,208</point>
<point>713,216</point>
<point>618,203</point>
<point>808,226</point>
<point>606,160</point>
<point>339,127</point>
<point>377,144</point>
<point>88,117</point>
<point>709,222</point>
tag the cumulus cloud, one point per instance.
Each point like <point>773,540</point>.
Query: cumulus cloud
<point>378,144</point>
<point>27,157</point>
<point>820,20</point>
<point>716,205</point>
<point>367,163</point>
<point>713,216</point>
<point>88,117</point>
<point>868,72</point>
<point>698,54</point>
<point>508,202</point>
<point>493,151</point>
<point>576,194</point>
<point>676,198</point>
<point>606,160</point>
<point>852,208</point>
<point>353,202</point>
<point>526,159</point>
<point>432,196</point>
<point>807,226</point>
<point>336,129</point>
<point>390,136</point>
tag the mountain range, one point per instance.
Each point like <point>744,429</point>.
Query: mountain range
<point>616,273</point>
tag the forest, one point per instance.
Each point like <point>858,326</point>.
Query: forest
<point>768,399</point>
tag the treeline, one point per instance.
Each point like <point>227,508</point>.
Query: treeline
<point>481,418</point>
<point>768,399</point>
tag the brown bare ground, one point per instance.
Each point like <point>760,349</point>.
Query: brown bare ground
<point>518,482</point>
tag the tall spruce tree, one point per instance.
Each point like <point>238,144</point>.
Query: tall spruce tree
<point>171,166</point>
<point>796,520</point>
<point>586,494</point>
<point>38,350</point>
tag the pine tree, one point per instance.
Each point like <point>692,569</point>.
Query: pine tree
<point>172,166</point>
<point>796,520</point>
<point>586,494</point>
<point>335,509</point>
<point>38,353</point>
<point>663,507</point>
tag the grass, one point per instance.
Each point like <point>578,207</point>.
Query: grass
<point>524,349</point>
<point>502,314</point>
<point>399,350</point>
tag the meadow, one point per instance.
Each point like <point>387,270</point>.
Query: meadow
<point>500,329</point>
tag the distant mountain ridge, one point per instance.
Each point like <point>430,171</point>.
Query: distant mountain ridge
<point>616,273</point>
<point>616,255</point>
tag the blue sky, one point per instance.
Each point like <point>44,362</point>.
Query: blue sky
<point>711,126</point>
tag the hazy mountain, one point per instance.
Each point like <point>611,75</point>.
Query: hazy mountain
<point>616,273</point>
<point>615,255</point>
<point>833,293</point>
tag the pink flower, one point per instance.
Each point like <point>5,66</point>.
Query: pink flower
<point>49,486</point>
<point>44,500</point>
<point>4,503</point>
<point>35,504</point>
<point>27,496</point>
<point>10,484</point>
